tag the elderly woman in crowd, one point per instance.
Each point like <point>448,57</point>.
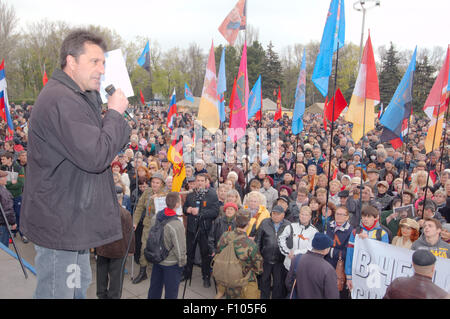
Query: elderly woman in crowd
<point>256,205</point>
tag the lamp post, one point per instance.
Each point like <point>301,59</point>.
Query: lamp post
<point>364,5</point>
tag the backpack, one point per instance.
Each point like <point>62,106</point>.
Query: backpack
<point>155,250</point>
<point>227,268</point>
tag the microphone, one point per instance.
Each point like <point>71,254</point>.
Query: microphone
<point>110,89</point>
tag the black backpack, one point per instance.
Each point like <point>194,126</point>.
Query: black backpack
<point>155,250</point>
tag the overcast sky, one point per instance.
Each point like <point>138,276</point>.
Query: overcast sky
<point>173,23</point>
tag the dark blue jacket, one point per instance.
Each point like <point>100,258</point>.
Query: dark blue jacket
<point>340,240</point>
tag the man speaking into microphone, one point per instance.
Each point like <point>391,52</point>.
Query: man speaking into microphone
<point>69,202</point>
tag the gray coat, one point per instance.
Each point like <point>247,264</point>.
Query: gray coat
<point>316,278</point>
<point>69,200</point>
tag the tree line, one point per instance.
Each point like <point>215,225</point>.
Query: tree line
<point>29,52</point>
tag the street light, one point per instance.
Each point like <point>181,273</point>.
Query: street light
<point>364,5</point>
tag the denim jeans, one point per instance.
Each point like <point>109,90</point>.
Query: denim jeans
<point>164,276</point>
<point>62,274</point>
<point>17,207</point>
<point>4,235</point>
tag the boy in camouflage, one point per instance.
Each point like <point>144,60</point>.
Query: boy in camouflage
<point>247,252</point>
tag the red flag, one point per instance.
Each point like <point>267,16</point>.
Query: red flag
<point>44,78</point>
<point>324,116</point>
<point>233,92</point>
<point>339,106</point>
<point>142,97</point>
<point>258,115</point>
<point>438,92</point>
<point>278,112</point>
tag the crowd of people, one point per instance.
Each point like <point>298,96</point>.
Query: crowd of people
<point>272,209</point>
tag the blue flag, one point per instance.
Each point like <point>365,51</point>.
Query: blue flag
<point>144,59</point>
<point>188,94</point>
<point>299,106</point>
<point>395,117</point>
<point>222,86</point>
<point>333,36</point>
<point>254,99</point>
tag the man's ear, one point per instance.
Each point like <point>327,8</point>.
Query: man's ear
<point>70,62</point>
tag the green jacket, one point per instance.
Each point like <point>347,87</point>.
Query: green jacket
<point>393,224</point>
<point>17,188</point>
<point>246,250</point>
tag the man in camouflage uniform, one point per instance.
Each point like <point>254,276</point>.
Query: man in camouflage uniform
<point>247,252</point>
<point>145,209</point>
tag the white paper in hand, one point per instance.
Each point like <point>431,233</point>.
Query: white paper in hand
<point>115,73</point>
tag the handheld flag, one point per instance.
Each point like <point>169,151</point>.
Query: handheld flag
<point>254,99</point>
<point>188,93</point>
<point>333,38</point>
<point>365,95</point>
<point>222,86</point>
<point>233,93</point>
<point>277,115</point>
<point>300,91</point>
<point>208,110</point>
<point>175,156</point>
<point>395,118</point>
<point>4,105</point>
<point>234,21</point>
<point>171,113</point>
<point>142,97</point>
<point>144,59</point>
<point>240,103</point>
<point>44,78</point>
<point>339,105</point>
<point>436,106</point>
<point>380,111</point>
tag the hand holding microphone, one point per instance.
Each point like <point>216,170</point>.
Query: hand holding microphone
<point>118,101</point>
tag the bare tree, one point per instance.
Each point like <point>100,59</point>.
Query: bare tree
<point>8,34</point>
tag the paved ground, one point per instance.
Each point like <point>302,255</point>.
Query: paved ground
<point>13,284</point>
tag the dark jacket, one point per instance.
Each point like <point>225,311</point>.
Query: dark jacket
<point>219,226</point>
<point>267,241</point>
<point>69,198</point>
<point>340,236</point>
<point>316,278</point>
<point>209,210</point>
<point>6,200</point>
<point>415,287</point>
<point>119,248</point>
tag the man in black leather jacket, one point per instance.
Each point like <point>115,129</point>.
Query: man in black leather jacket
<point>267,241</point>
<point>201,208</point>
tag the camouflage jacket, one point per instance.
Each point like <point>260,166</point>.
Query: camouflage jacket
<point>146,206</point>
<point>246,250</point>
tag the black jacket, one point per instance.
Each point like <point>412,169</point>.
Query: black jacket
<point>219,226</point>
<point>69,199</point>
<point>267,241</point>
<point>209,210</point>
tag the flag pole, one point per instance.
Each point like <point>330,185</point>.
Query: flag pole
<point>406,142</point>
<point>404,160</point>
<point>362,160</point>
<point>444,132</point>
<point>432,150</point>
<point>331,134</point>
